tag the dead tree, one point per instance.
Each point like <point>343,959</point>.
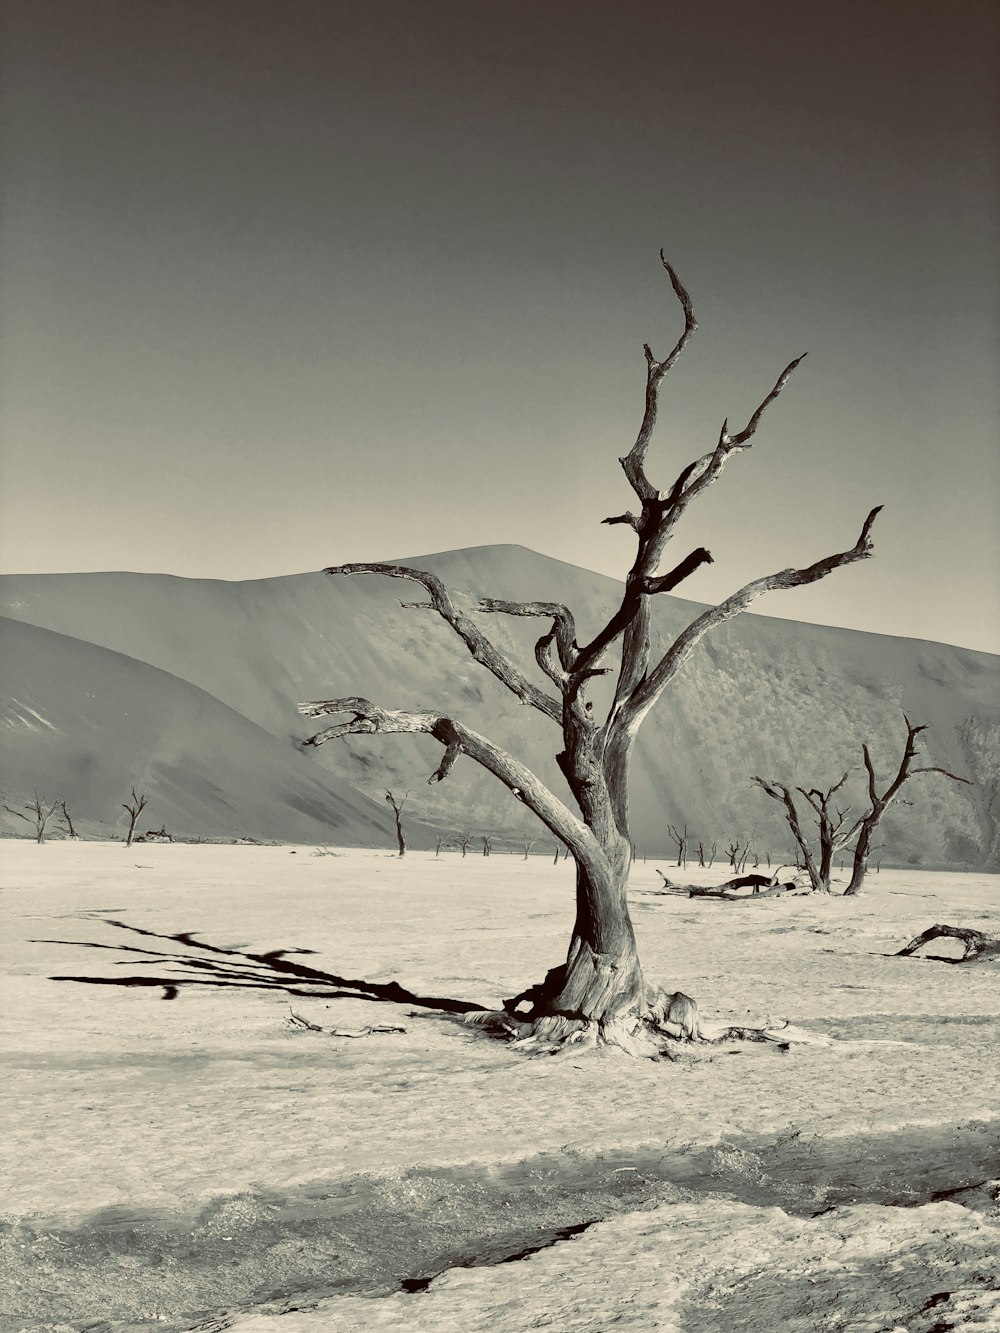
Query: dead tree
<point>487,840</point>
<point>834,832</point>
<point>439,841</point>
<point>67,821</point>
<point>134,810</point>
<point>680,837</point>
<point>528,841</point>
<point>737,853</point>
<point>39,814</point>
<point>463,841</point>
<point>880,802</point>
<point>599,994</point>
<point>397,803</point>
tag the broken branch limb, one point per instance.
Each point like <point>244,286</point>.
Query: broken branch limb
<point>563,623</point>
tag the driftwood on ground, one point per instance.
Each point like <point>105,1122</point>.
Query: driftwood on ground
<point>979,946</point>
<point>762,887</point>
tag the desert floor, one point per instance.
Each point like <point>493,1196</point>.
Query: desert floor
<point>202,1162</point>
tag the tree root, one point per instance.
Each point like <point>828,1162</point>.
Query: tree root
<point>667,1024</point>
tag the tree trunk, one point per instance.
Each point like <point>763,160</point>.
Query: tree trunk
<point>860,866</point>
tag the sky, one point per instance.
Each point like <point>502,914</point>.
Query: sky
<point>292,284</point>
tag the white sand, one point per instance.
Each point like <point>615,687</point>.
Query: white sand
<point>115,1098</point>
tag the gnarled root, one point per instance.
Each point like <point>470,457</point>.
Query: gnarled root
<point>655,1024</point>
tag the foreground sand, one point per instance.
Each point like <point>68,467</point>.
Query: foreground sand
<point>130,1117</point>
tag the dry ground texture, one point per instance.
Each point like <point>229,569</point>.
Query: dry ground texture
<point>203,1163</point>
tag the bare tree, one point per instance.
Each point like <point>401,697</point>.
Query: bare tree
<point>737,852</point>
<point>487,840</point>
<point>528,841</point>
<point>880,802</point>
<point>834,832</point>
<point>599,994</point>
<point>67,820</point>
<point>463,841</point>
<point>680,837</point>
<point>39,814</point>
<point>439,841</point>
<point>397,803</point>
<point>134,810</point>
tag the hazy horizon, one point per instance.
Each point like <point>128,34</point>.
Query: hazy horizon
<point>292,286</point>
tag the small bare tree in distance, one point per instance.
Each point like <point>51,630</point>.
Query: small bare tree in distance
<point>680,837</point>
<point>599,994</point>
<point>39,814</point>
<point>397,803</point>
<point>67,820</point>
<point>134,808</point>
<point>833,835</point>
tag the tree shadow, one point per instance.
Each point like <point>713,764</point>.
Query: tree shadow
<point>237,969</point>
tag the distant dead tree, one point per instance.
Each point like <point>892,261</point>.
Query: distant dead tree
<point>463,841</point>
<point>737,852</point>
<point>39,814</point>
<point>879,802</point>
<point>134,808</point>
<point>528,841</point>
<point>439,842</point>
<point>680,837</point>
<point>67,820</point>
<point>598,994</point>
<point>834,831</point>
<point>487,840</point>
<point>397,803</point>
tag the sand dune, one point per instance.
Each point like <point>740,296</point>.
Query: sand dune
<point>84,723</point>
<point>790,701</point>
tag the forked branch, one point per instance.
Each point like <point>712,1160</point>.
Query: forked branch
<point>634,461</point>
<point>368,718</point>
<point>650,689</point>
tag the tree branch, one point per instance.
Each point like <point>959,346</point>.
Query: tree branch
<point>367,718</point>
<point>649,690</point>
<point>482,650</point>
<point>563,623</point>
<point>634,460</point>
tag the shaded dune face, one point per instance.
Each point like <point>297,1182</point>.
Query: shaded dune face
<point>793,702</point>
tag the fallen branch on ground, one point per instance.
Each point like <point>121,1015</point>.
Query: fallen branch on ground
<point>371,1030</point>
<point>729,892</point>
<point>979,946</point>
